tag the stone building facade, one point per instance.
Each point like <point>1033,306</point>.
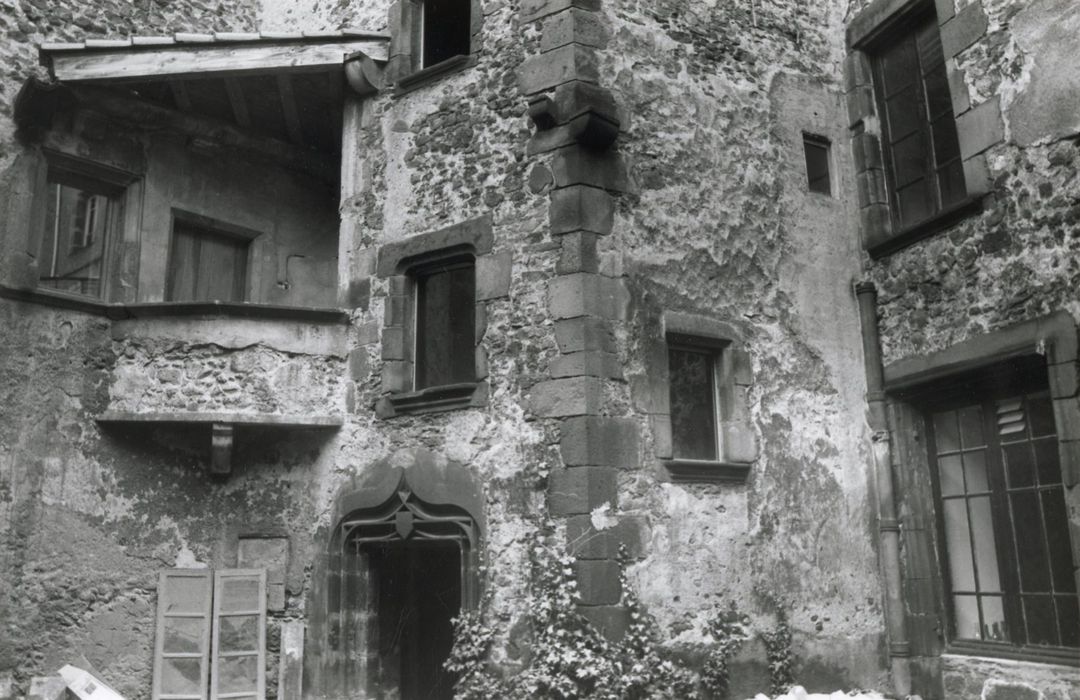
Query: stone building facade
<point>317,321</point>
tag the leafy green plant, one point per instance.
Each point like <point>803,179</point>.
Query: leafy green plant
<point>778,652</point>
<point>730,629</point>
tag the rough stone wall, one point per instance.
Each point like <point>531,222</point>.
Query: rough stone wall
<point>717,98</point>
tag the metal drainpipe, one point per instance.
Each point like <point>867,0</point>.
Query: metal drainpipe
<point>888,524</point>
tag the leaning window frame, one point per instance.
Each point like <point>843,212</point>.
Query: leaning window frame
<point>124,191</point>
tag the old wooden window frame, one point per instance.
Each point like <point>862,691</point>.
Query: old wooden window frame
<point>217,228</point>
<point>419,276</point>
<point>124,193</point>
<point>408,69</point>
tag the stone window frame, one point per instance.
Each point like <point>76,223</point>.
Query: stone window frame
<point>396,263</point>
<point>1053,336</point>
<point>405,68</point>
<point>122,233</point>
<point>875,23</point>
<point>737,441</point>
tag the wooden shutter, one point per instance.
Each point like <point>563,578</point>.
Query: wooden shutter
<point>238,669</point>
<point>182,643</point>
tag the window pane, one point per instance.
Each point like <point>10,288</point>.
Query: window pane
<point>1047,460</point>
<point>186,594</point>
<point>238,633</point>
<point>183,635</point>
<point>1041,413</point>
<point>982,529</point>
<point>946,143</point>
<point>958,541</point>
<point>971,426</point>
<point>1018,464</point>
<point>951,475</point>
<point>1069,619</point>
<point>938,99</point>
<point>898,66</point>
<point>951,183</point>
<point>1041,623</point>
<point>1057,535</point>
<point>71,257</point>
<point>1030,548</point>
<point>994,627</point>
<point>239,593</point>
<point>181,677</point>
<point>817,165</point>
<point>445,319</point>
<point>237,674</point>
<point>946,437</point>
<point>446,30</point>
<point>904,116</point>
<point>975,472</point>
<point>966,614</point>
<point>909,160</point>
<point>915,204</point>
<point>693,419</point>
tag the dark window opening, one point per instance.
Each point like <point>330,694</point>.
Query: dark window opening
<point>816,149</point>
<point>445,321</point>
<point>1002,514</point>
<point>206,265</point>
<point>446,30</point>
<point>80,213</point>
<point>924,172</point>
<point>692,383</point>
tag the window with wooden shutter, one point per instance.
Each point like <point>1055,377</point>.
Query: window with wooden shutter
<point>206,263</point>
<point>239,644</point>
<point>445,322</point>
<point>182,644</point>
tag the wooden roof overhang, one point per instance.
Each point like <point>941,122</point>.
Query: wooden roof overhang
<point>283,87</point>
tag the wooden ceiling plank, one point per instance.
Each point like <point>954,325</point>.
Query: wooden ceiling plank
<point>238,103</point>
<point>289,109</point>
<point>179,62</point>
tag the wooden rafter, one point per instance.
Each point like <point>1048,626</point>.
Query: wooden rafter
<point>179,62</point>
<point>289,109</point>
<point>238,103</point>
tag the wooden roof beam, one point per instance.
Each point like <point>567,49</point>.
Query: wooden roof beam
<point>288,108</point>
<point>180,62</point>
<point>237,102</point>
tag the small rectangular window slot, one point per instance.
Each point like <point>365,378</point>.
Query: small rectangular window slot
<point>816,149</point>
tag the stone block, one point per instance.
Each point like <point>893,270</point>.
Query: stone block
<point>480,367</point>
<point>481,323</point>
<point>875,223</point>
<point>980,128</point>
<point>574,26</point>
<point>587,294</point>
<point>395,376</point>
<point>367,333</point>
<point>47,688</point>
<point>553,68</point>
<point>393,343</point>
<point>742,369</point>
<point>493,275</point>
<point>584,333</point>
<point>572,396</point>
<point>866,151</point>
<point>476,233</point>
<point>577,253</point>
<point>958,91</point>
<point>394,310</point>
<point>1063,379</point>
<point>291,668</point>
<point>857,70</point>
<point>532,10</point>
<point>1003,690</point>
<point>591,363</point>
<point>661,432</point>
<point>599,581</point>
<point>358,295</point>
<point>871,187</point>
<point>577,165</point>
<point>860,104</point>
<point>604,441</point>
<point>612,621</point>
<point>977,178</point>
<point>580,490</point>
<point>581,208</point>
<point>359,365</point>
<point>945,10</point>
<point>963,30</point>
<point>739,442</point>
<point>1067,418</point>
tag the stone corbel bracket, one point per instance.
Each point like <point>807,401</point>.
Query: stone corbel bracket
<point>588,112</point>
<point>365,75</point>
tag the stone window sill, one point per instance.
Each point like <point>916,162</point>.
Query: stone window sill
<point>118,312</point>
<point>1046,655</point>
<point>706,471</point>
<point>431,74</point>
<point>927,227</point>
<point>434,399</point>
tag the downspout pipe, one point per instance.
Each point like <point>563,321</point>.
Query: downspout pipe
<point>888,523</point>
